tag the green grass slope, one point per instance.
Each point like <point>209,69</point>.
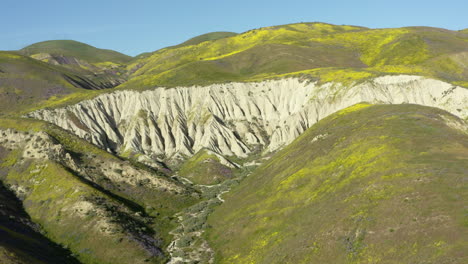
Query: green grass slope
<point>104,68</point>
<point>21,240</point>
<point>369,184</point>
<point>206,37</point>
<point>75,49</point>
<point>25,82</point>
<point>193,41</point>
<point>98,206</point>
<point>317,49</point>
<point>205,168</point>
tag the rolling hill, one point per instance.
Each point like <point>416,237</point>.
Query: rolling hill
<point>320,50</point>
<point>369,184</point>
<point>75,49</point>
<point>97,68</point>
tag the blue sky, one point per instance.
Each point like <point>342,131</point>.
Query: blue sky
<point>136,26</point>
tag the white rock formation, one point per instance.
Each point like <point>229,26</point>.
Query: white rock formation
<point>231,118</point>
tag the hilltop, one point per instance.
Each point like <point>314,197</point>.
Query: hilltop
<point>322,51</point>
<point>75,49</point>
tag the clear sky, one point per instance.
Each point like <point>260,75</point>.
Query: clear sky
<point>136,26</point>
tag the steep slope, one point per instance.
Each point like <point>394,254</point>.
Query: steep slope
<point>369,184</point>
<point>316,48</point>
<point>104,209</point>
<point>234,118</point>
<point>21,240</point>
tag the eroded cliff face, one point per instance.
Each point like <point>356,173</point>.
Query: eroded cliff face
<point>234,118</point>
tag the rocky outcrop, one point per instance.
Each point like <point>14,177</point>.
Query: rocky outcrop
<point>89,194</point>
<point>234,118</point>
<point>41,146</point>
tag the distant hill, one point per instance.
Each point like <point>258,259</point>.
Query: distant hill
<point>26,82</point>
<point>71,48</point>
<point>321,50</point>
<point>106,67</point>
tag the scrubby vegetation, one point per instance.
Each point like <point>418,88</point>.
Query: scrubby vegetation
<point>205,168</point>
<point>97,205</point>
<point>21,240</point>
<point>369,184</point>
<point>373,184</point>
<point>324,50</point>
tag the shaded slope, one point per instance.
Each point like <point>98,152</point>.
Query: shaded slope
<point>415,50</point>
<point>104,209</point>
<point>267,59</point>
<point>377,184</point>
<point>25,82</point>
<point>94,68</point>
<point>207,167</point>
<point>20,240</point>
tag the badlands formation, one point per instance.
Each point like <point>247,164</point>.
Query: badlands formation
<point>234,118</point>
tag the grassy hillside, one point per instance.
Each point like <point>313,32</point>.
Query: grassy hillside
<point>71,48</point>
<point>205,167</point>
<point>95,67</point>
<point>193,41</point>
<point>205,37</point>
<point>21,240</point>
<point>369,184</point>
<point>25,82</point>
<point>101,207</point>
<point>316,49</point>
